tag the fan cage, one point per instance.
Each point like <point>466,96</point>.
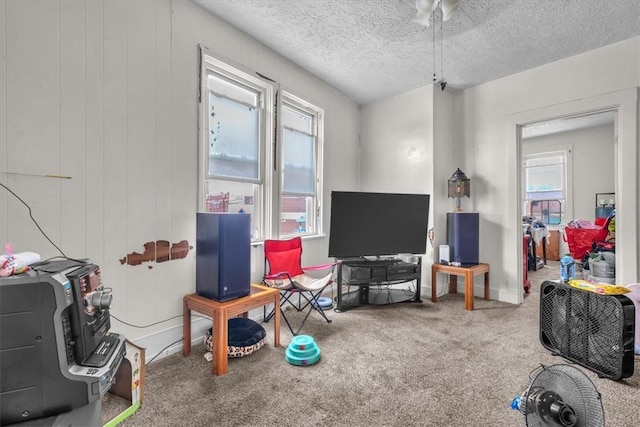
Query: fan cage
<point>573,386</point>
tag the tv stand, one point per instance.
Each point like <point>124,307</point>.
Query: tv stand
<point>373,280</point>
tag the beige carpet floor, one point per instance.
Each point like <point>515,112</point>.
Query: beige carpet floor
<point>407,364</point>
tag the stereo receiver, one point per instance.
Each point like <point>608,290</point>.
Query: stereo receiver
<point>58,356</point>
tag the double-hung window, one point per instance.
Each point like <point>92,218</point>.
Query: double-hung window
<point>301,166</point>
<point>236,110</point>
<point>259,154</point>
<point>545,180</point>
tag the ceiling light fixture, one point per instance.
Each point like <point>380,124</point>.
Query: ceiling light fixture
<point>426,8</point>
<point>449,8</point>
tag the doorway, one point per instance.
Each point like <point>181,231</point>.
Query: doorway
<point>623,104</point>
<point>567,172</point>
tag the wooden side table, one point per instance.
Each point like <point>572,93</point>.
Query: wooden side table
<point>468,273</point>
<point>220,313</point>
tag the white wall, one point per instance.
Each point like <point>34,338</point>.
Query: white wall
<point>105,92</point>
<point>398,150</point>
<point>405,139</point>
<point>483,140</point>
<point>591,80</point>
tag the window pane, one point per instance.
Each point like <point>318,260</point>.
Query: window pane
<point>234,132</point>
<point>545,178</point>
<point>544,195</point>
<point>545,187</point>
<point>549,211</point>
<point>296,119</point>
<point>230,196</point>
<point>233,90</point>
<point>299,164</point>
<point>544,161</point>
<point>296,215</point>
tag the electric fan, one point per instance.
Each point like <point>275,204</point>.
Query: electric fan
<point>593,330</point>
<point>560,395</point>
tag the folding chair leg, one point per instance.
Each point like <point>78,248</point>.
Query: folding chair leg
<point>289,324</point>
<point>303,302</point>
<point>313,302</point>
<point>266,317</point>
<point>284,315</point>
<point>284,298</point>
<point>316,306</point>
<point>321,311</point>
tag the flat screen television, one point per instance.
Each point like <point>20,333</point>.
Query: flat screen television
<point>375,224</point>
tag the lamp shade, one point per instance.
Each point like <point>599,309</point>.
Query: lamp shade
<point>459,185</point>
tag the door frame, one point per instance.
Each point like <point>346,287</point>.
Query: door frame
<point>625,104</point>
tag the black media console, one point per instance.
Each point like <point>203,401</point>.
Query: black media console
<point>373,281</point>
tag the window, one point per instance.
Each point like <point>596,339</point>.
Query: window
<point>236,118</point>
<point>549,211</point>
<point>301,167</point>
<point>545,180</point>
<point>247,166</point>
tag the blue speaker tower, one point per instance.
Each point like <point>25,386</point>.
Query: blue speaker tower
<point>463,237</point>
<point>223,255</point>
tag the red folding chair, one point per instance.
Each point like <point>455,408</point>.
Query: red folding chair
<point>285,272</point>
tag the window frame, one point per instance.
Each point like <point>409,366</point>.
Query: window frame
<point>294,102</point>
<point>236,73</point>
<point>268,191</point>
<point>565,151</point>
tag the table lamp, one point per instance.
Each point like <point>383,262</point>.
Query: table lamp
<point>459,186</point>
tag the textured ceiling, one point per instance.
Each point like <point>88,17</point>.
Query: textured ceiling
<point>370,49</point>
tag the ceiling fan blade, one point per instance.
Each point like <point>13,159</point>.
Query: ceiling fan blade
<point>426,6</point>
<point>423,18</point>
<point>449,8</point>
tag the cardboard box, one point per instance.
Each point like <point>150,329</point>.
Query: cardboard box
<point>129,382</point>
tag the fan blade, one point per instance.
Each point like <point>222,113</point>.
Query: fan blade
<point>427,6</point>
<point>449,8</point>
<point>423,18</point>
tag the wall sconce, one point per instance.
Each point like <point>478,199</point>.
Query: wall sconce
<point>459,186</point>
